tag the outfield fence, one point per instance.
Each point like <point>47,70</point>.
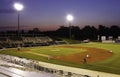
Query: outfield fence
<point>32,64</point>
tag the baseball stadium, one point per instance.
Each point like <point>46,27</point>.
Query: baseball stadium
<point>96,56</point>
<point>59,38</point>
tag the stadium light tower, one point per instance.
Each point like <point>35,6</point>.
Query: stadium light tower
<point>18,7</point>
<point>69,18</point>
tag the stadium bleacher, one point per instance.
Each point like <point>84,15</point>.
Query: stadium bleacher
<point>12,42</point>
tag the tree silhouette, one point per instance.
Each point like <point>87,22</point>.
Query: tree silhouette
<point>63,32</point>
<point>103,31</point>
<point>114,31</point>
<point>76,32</point>
<point>89,32</point>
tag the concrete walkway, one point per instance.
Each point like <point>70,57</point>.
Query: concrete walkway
<point>78,70</point>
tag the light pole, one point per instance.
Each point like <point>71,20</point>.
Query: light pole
<point>18,7</point>
<point>69,18</point>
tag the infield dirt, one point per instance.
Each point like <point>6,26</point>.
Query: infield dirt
<point>91,55</point>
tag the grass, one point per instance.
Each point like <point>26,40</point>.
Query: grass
<point>55,50</point>
<point>110,65</point>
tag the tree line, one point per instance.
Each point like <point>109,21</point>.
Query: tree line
<point>87,32</point>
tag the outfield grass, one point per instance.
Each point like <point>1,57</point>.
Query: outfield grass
<point>110,65</point>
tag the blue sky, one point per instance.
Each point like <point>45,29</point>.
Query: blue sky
<point>50,14</point>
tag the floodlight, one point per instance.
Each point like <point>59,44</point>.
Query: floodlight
<point>69,17</point>
<point>18,6</point>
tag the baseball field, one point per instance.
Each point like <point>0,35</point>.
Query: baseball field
<point>94,56</point>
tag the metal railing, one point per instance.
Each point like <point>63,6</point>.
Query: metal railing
<point>36,66</point>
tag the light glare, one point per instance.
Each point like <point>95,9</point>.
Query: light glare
<point>18,6</point>
<point>69,17</point>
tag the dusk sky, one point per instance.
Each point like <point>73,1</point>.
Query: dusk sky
<point>50,14</point>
